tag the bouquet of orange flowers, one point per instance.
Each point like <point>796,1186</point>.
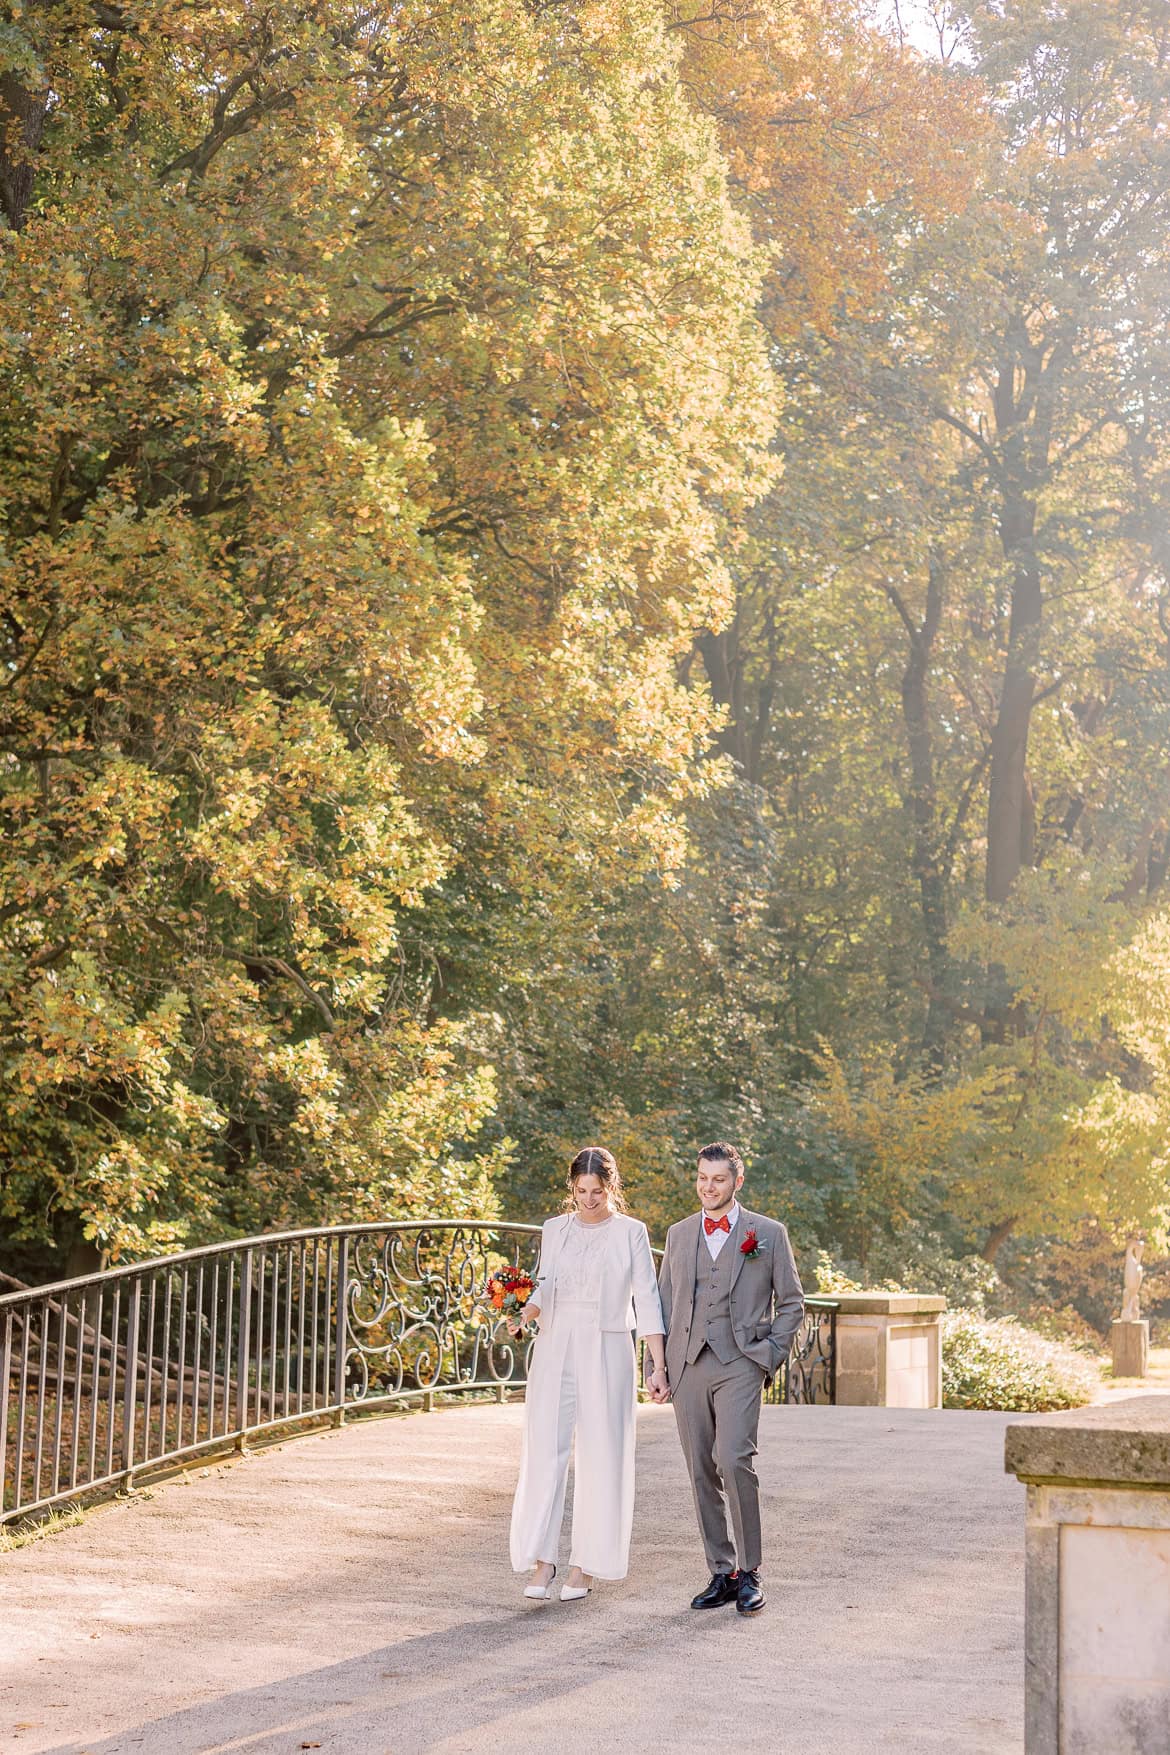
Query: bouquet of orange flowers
<point>509,1291</point>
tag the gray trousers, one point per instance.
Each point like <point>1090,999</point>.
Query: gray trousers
<point>717,1407</point>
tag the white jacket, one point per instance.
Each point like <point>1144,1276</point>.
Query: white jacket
<point>629,1287</point>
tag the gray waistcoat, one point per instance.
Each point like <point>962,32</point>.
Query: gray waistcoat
<point>711,1323</point>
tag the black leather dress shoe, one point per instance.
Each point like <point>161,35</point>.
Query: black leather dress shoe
<point>722,1589</point>
<point>749,1598</point>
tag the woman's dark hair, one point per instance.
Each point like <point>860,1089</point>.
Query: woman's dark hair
<point>720,1149</point>
<point>596,1161</point>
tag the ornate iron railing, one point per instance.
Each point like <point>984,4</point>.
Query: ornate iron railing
<point>809,1374</point>
<point>108,1378</point>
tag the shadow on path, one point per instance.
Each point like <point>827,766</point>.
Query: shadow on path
<point>475,1677</point>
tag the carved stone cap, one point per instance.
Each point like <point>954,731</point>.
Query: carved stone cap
<point>1126,1442</point>
<point>888,1303</point>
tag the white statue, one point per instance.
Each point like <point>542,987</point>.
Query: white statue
<point>1130,1309</point>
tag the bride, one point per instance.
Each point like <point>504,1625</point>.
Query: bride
<point>595,1284</point>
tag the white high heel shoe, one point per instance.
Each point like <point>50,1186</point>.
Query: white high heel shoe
<point>541,1592</point>
<point>572,1593</point>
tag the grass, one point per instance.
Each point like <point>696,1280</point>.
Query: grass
<point>15,1536</point>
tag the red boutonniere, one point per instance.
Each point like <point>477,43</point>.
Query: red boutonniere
<point>750,1246</point>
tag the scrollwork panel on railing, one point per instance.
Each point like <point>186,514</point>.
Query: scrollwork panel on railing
<point>415,1316</point>
<point>808,1375</point>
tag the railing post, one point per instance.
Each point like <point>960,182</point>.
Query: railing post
<point>889,1349</point>
<point>5,1392</point>
<point>130,1385</point>
<point>243,1348</point>
<point>340,1329</point>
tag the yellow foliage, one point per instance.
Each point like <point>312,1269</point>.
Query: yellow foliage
<point>374,381</point>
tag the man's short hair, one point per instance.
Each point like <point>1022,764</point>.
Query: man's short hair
<point>720,1149</point>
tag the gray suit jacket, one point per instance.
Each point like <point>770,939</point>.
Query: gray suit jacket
<point>767,1302</point>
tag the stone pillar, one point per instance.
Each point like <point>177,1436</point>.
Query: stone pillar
<point>1131,1348</point>
<point>889,1350</point>
<point>1097,1596</point>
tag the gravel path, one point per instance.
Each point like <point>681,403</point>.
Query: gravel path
<point>350,1592</point>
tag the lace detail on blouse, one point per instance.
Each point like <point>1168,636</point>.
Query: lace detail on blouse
<point>579,1263</point>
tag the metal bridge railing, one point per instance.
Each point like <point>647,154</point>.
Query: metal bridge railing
<point>107,1378</point>
<point>809,1374</point>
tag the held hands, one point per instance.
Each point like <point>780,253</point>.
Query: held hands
<point>659,1386</point>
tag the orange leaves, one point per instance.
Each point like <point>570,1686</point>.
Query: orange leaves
<point>827,125</point>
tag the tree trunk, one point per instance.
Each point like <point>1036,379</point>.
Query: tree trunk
<point>926,856</point>
<point>996,1238</point>
<point>724,665</point>
<point>84,1258</point>
<point>22,121</point>
<point>765,700</point>
<point>1010,817</point>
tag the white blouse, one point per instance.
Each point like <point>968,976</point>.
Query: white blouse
<point>610,1262</point>
<point>582,1253</point>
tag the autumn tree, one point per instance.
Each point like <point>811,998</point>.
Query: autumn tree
<point>950,653</point>
<point>374,384</point>
<point>582,570</point>
<point>695,994</point>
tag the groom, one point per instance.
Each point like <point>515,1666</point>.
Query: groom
<point>731,1303</point>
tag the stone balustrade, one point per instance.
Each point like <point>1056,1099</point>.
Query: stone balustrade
<point>1097,1548</point>
<point>889,1350</point>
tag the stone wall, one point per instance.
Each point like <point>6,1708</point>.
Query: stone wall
<point>1097,1548</point>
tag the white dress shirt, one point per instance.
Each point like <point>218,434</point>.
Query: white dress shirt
<point>716,1239</point>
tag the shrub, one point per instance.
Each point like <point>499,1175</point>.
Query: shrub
<point>1000,1364</point>
<point>1061,1323</point>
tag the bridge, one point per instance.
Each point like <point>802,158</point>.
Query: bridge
<point>105,1380</point>
<point>350,1591</point>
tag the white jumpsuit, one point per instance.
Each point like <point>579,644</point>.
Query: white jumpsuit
<point>580,1402</point>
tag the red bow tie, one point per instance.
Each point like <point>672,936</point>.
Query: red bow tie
<point>712,1225</point>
